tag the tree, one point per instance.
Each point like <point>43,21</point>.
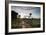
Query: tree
<point>18,16</point>
<point>30,15</point>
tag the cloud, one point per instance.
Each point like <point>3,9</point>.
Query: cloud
<point>25,11</point>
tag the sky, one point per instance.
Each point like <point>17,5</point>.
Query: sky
<point>25,10</point>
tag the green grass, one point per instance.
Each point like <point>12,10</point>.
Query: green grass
<point>33,23</point>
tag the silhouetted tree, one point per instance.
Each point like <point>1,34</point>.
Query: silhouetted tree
<point>14,15</point>
<point>30,15</point>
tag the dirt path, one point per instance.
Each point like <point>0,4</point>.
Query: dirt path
<point>24,24</point>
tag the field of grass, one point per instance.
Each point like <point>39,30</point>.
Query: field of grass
<point>26,23</point>
<point>35,23</point>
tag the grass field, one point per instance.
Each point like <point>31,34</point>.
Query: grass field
<point>25,23</point>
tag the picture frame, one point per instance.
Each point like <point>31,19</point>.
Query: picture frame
<point>10,5</point>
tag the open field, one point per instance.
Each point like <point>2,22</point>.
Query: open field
<point>25,23</point>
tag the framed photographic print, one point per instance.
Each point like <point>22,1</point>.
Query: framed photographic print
<point>24,17</point>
